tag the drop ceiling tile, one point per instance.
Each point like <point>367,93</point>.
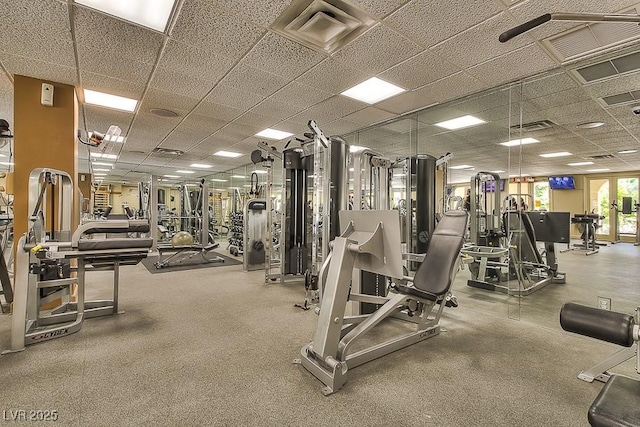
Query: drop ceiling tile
<point>260,13</point>
<point>235,97</point>
<point>377,50</point>
<point>340,127</point>
<point>254,119</point>
<point>432,22</point>
<point>479,43</point>
<point>254,80</point>
<point>215,29</point>
<point>180,84</point>
<point>418,71</point>
<point>299,95</point>
<point>614,86</point>
<point>333,108</point>
<point>156,98</point>
<point>201,64</point>
<point>552,83</point>
<point>113,37</point>
<point>234,132</point>
<point>110,85</point>
<point>201,125</point>
<point>130,70</point>
<point>280,56</point>
<point>334,77</point>
<point>405,102</point>
<point>50,18</point>
<point>378,8</point>
<point>181,140</point>
<point>556,99</point>
<point>38,69</point>
<point>99,119</point>
<point>369,115</point>
<point>36,46</point>
<point>512,66</point>
<point>218,111</point>
<point>276,110</point>
<point>452,87</point>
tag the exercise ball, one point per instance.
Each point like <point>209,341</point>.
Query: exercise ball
<point>182,238</point>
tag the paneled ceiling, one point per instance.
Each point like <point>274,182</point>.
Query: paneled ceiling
<point>227,75</point>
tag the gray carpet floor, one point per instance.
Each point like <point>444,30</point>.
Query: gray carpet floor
<point>214,348</point>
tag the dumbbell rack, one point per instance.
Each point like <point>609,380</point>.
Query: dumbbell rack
<point>236,231</point>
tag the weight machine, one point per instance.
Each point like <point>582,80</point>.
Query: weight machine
<point>371,242</point>
<point>44,262</point>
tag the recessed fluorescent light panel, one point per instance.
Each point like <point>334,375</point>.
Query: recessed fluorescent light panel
<point>238,176</point>
<point>460,122</point>
<point>201,166</point>
<point>273,134</point>
<point>102,164</point>
<point>373,90</point>
<point>460,167</point>
<point>598,170</point>
<point>580,164</point>
<point>558,154</point>
<point>171,176</point>
<point>185,172</point>
<point>523,141</point>
<point>260,171</point>
<point>497,171</point>
<point>223,153</point>
<point>152,14</point>
<point>218,180</point>
<point>627,151</point>
<point>102,170</point>
<point>102,99</point>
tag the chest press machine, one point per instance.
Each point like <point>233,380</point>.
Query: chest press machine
<point>371,242</point>
<point>44,256</point>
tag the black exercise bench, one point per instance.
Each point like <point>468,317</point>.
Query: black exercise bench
<point>618,403</point>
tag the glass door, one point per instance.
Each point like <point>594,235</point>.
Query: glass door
<point>599,203</point>
<point>627,197</point>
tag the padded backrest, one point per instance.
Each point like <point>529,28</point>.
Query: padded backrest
<point>133,226</point>
<point>435,273</point>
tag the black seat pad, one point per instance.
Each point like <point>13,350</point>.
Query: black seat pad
<point>617,404</point>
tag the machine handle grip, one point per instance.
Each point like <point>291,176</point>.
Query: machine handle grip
<point>616,328</point>
<point>36,248</point>
<point>523,28</point>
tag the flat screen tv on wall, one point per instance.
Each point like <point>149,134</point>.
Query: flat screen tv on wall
<point>565,182</point>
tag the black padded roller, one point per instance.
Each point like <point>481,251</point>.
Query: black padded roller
<point>604,325</point>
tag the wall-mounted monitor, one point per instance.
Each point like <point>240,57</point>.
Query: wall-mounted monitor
<point>565,182</point>
<point>490,186</point>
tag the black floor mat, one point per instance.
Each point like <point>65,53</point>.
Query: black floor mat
<point>195,262</point>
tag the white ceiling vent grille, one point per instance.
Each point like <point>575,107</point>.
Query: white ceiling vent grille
<point>167,152</point>
<point>592,38</point>
<point>322,25</point>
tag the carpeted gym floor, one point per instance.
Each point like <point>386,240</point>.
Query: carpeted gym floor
<point>214,347</point>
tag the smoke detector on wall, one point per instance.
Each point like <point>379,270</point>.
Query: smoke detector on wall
<point>322,25</point>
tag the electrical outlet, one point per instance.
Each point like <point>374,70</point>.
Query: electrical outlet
<point>604,303</point>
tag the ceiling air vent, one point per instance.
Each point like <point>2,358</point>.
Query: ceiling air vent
<point>592,38</point>
<point>621,98</point>
<point>168,151</point>
<point>600,157</point>
<point>613,67</point>
<point>534,126</point>
<point>322,25</point>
